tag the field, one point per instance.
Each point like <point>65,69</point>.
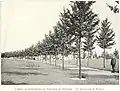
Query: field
<point>34,72</point>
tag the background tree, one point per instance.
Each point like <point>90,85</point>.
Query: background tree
<point>64,40</point>
<point>39,49</point>
<point>116,53</point>
<point>55,43</point>
<point>89,41</point>
<point>45,47</point>
<point>106,36</point>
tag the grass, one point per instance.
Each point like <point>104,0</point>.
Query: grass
<point>32,72</point>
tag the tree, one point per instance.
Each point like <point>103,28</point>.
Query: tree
<point>31,51</point>
<point>115,8</point>
<point>3,55</point>
<point>54,42</point>
<point>49,45</point>
<point>64,48</point>
<point>45,48</point>
<point>116,53</point>
<point>38,48</point>
<point>89,41</point>
<point>106,36</point>
<point>77,20</point>
<point>95,55</point>
<point>62,38</point>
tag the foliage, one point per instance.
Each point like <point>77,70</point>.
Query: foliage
<point>106,36</point>
<point>116,53</point>
<point>115,8</point>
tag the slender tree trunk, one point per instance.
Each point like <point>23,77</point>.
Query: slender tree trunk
<point>104,59</point>
<point>40,57</point>
<point>50,58</point>
<point>63,58</point>
<point>55,59</point>
<point>74,57</point>
<point>45,58</point>
<point>79,47</point>
<point>63,61</point>
<point>77,60</point>
<point>88,59</point>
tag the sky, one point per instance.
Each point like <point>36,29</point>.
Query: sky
<point>24,22</point>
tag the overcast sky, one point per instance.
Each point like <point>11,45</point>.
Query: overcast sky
<point>24,22</point>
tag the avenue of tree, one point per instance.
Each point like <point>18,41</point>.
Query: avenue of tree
<point>77,30</point>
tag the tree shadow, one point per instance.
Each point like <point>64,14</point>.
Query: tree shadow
<point>32,68</point>
<point>12,83</point>
<point>76,75</point>
<point>104,76</point>
<point>84,75</point>
<point>25,73</point>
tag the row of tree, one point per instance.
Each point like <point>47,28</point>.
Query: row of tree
<point>77,29</point>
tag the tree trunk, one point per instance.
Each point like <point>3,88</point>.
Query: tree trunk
<point>63,58</point>
<point>77,60</point>
<point>73,56</point>
<point>46,58</point>
<point>104,59</point>
<point>74,59</point>
<point>55,59</point>
<point>88,59</point>
<point>79,47</point>
<point>40,57</point>
<point>50,58</point>
<point>63,61</point>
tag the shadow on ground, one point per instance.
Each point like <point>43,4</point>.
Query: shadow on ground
<point>25,73</point>
<point>12,83</point>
